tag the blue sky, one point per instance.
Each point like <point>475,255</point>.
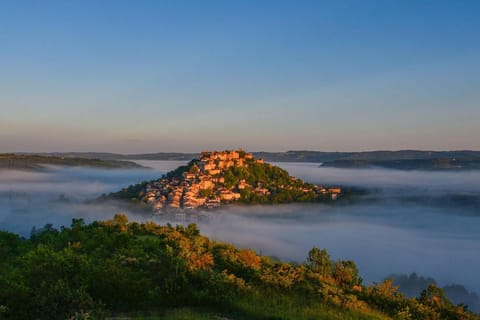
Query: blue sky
<point>148,76</point>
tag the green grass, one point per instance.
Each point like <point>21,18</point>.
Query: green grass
<point>280,307</point>
<point>254,311</point>
<point>268,307</point>
<point>189,314</point>
<point>179,314</point>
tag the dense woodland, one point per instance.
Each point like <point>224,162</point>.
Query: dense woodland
<point>271,178</point>
<point>117,268</point>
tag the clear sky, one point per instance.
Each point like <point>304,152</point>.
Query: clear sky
<point>149,76</point>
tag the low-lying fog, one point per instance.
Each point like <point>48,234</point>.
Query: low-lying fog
<point>423,222</point>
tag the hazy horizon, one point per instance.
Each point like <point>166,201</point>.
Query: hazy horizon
<point>248,150</point>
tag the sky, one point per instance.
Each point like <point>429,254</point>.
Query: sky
<point>151,76</point>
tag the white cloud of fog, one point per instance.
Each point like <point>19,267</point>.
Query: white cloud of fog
<point>376,244</point>
<point>393,234</point>
<point>163,166</point>
<point>467,181</point>
<point>29,198</point>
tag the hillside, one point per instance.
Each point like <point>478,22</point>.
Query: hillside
<point>289,156</point>
<point>225,177</point>
<point>117,268</point>
<point>38,162</point>
<point>449,164</point>
<point>345,159</point>
<point>402,159</point>
<point>119,156</point>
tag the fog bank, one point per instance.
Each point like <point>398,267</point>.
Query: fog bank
<point>424,222</point>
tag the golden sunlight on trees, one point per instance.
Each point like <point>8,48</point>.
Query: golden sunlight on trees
<point>250,259</point>
<point>116,267</point>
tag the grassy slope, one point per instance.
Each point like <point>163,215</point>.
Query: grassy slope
<point>269,313</point>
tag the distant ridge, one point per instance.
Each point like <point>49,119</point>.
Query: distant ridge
<point>289,156</point>
<point>437,164</point>
<point>39,162</point>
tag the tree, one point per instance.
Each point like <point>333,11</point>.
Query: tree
<point>319,261</point>
<point>434,296</point>
<point>119,220</point>
<point>346,273</point>
<point>192,230</point>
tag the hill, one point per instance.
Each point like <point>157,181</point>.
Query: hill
<point>119,156</point>
<point>225,177</point>
<point>449,164</point>
<point>402,159</point>
<point>296,156</point>
<point>38,162</point>
<point>118,268</point>
<point>412,286</point>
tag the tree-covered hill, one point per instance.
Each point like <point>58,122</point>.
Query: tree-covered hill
<point>38,162</point>
<point>225,177</point>
<point>295,155</point>
<point>400,159</point>
<point>115,267</point>
<point>448,164</point>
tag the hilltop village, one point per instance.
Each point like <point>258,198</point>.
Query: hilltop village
<point>225,177</point>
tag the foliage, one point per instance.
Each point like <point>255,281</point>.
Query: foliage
<point>178,172</point>
<point>114,267</point>
<point>132,192</point>
<point>282,188</point>
<point>207,192</point>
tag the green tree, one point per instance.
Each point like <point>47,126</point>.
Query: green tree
<point>319,261</point>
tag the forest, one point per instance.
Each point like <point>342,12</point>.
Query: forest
<point>117,268</point>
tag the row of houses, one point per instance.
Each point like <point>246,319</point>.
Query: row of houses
<point>214,162</point>
<point>202,185</point>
